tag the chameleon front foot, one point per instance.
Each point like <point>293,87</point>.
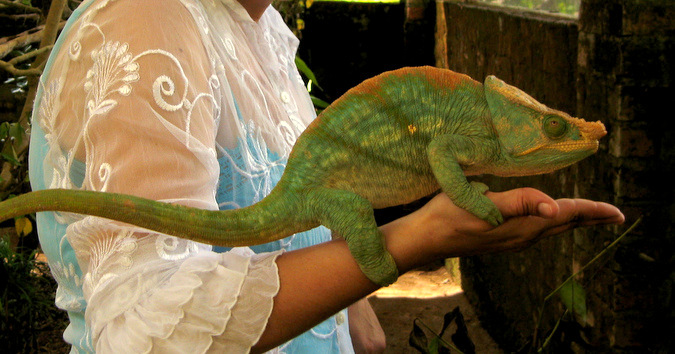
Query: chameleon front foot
<point>483,207</point>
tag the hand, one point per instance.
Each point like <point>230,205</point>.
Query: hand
<point>365,330</point>
<point>529,215</point>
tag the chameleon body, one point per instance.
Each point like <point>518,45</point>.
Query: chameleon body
<point>391,140</point>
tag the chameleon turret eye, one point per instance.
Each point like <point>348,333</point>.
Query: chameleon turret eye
<point>555,127</point>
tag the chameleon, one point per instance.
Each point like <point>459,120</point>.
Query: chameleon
<point>392,139</point>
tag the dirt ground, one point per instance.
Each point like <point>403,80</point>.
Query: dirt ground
<point>427,295</point>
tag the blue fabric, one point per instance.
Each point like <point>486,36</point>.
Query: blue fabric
<point>59,252</point>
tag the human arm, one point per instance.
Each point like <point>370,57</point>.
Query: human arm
<point>320,280</point>
<point>365,329</point>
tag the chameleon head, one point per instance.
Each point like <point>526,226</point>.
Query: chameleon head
<point>534,138</point>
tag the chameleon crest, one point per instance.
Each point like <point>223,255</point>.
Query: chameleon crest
<point>394,138</point>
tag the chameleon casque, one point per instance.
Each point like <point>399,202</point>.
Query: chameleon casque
<point>392,139</point>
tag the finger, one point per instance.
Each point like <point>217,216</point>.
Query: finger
<point>582,212</point>
<point>524,201</point>
<point>520,232</point>
<point>588,212</point>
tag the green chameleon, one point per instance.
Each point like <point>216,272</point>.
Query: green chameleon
<point>390,140</point>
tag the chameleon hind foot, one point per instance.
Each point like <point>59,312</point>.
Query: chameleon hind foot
<point>384,273</point>
<point>351,217</point>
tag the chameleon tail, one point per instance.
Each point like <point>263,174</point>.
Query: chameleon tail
<point>260,223</point>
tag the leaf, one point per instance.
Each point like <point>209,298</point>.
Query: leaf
<point>16,132</point>
<point>418,339</point>
<point>4,130</point>
<point>433,345</point>
<point>23,226</point>
<point>304,69</point>
<point>461,336</point>
<point>447,320</point>
<point>573,297</point>
<point>319,103</point>
<point>9,154</point>
<point>102,108</point>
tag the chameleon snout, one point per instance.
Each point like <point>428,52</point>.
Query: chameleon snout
<point>592,130</point>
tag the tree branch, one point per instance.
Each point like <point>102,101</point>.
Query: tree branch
<point>20,6</point>
<point>24,39</point>
<point>10,66</point>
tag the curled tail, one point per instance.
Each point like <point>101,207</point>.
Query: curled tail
<point>262,222</point>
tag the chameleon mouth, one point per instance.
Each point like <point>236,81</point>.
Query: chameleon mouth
<point>566,146</point>
<point>571,146</point>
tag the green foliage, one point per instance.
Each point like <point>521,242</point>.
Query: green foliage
<point>568,7</point>
<point>305,70</point>
<point>573,296</point>
<point>364,1</point>
<point>11,135</point>
<point>292,11</point>
<point>27,312</point>
<point>311,81</point>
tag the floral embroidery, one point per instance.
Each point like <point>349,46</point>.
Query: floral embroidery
<point>105,250</point>
<point>113,65</point>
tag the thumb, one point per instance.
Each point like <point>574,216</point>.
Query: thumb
<point>524,202</point>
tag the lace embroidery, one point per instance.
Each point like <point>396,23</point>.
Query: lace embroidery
<point>104,172</point>
<point>229,46</point>
<point>107,250</point>
<point>113,65</point>
<point>173,248</point>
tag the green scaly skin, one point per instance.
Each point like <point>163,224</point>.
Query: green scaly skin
<point>391,140</point>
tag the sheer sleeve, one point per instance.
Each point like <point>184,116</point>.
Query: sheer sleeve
<point>136,103</point>
<point>130,104</point>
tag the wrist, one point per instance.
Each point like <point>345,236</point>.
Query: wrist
<point>412,240</point>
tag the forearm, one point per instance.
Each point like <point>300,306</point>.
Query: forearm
<point>318,281</point>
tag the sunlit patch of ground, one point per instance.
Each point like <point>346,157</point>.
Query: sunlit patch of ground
<point>427,295</point>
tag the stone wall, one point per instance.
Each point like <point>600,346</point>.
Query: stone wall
<point>614,65</point>
<point>625,77</point>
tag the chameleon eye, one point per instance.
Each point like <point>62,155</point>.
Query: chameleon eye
<point>555,127</point>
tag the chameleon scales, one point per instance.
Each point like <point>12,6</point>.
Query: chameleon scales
<point>390,140</point>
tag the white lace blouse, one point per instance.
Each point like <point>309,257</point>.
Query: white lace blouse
<point>183,101</point>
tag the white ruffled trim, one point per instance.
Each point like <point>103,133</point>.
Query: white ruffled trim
<point>212,302</point>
